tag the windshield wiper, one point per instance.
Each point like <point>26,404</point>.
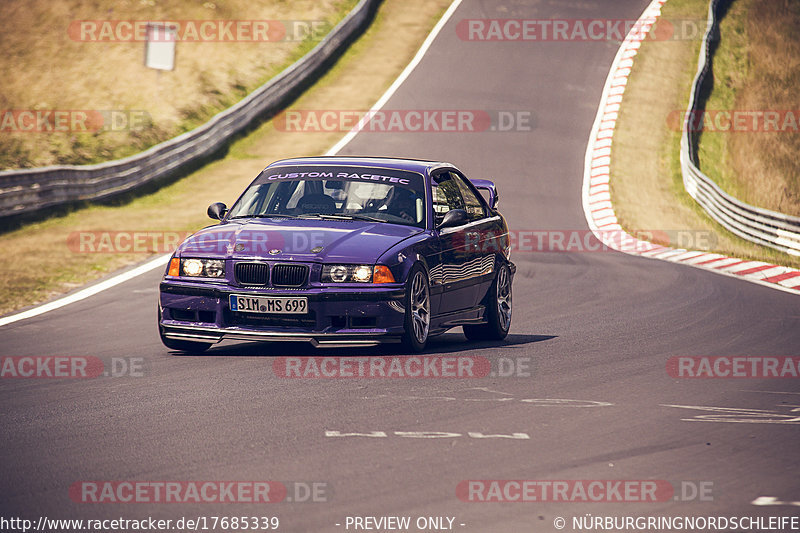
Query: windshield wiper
<point>341,217</point>
<point>275,215</point>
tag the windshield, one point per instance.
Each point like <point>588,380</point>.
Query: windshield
<point>335,192</point>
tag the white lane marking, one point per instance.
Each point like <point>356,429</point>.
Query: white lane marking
<point>769,391</point>
<point>737,415</point>
<point>428,435</point>
<point>491,391</point>
<point>332,433</point>
<point>535,402</point>
<point>771,500</point>
<point>559,402</point>
<point>517,436</point>
<point>435,398</point>
<point>88,291</point>
<point>400,79</point>
<point>162,260</point>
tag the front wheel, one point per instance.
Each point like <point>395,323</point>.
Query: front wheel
<point>498,310</point>
<point>418,310</point>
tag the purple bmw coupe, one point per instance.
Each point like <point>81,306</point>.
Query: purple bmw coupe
<point>344,251</point>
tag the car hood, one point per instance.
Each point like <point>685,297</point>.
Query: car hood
<point>344,241</point>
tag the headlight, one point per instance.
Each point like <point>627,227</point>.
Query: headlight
<point>362,273</point>
<point>203,268</point>
<point>192,267</point>
<point>338,273</point>
<point>346,273</point>
<point>215,268</point>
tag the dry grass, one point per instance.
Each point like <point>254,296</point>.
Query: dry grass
<point>646,183</point>
<point>39,264</point>
<point>757,68</point>
<point>766,165</point>
<point>47,70</point>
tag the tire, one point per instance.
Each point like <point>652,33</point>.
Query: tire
<point>498,310</point>
<point>418,309</point>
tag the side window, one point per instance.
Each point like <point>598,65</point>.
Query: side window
<point>474,207</point>
<point>446,195</point>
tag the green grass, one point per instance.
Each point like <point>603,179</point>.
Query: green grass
<point>730,68</point>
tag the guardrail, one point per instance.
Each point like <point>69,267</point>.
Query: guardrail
<point>762,226</point>
<point>31,190</point>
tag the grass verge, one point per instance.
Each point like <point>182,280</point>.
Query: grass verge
<point>647,186</point>
<point>65,45</point>
<point>757,69</point>
<point>40,263</point>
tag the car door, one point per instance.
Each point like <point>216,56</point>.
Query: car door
<point>485,237</point>
<point>454,277</point>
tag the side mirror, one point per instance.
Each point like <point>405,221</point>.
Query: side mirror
<point>217,210</point>
<point>489,192</point>
<point>454,217</point>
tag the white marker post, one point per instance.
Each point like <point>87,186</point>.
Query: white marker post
<point>159,52</point>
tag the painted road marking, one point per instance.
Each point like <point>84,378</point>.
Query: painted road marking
<point>428,434</point>
<point>502,397</point>
<point>88,291</point>
<point>739,415</point>
<point>770,500</point>
<point>400,79</point>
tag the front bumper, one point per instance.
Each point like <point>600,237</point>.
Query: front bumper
<point>338,316</point>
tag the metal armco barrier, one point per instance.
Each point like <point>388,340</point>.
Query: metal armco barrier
<point>762,226</point>
<point>32,190</point>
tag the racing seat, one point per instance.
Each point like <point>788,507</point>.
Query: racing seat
<point>317,203</point>
<point>403,204</point>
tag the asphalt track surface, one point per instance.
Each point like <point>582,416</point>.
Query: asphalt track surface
<point>595,327</point>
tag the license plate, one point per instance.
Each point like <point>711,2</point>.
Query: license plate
<point>269,304</point>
